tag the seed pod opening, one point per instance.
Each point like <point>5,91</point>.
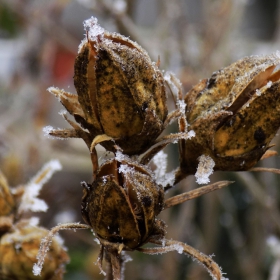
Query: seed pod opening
<point>235,114</point>
<point>121,205</point>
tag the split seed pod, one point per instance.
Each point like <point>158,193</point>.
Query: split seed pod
<point>122,203</point>
<point>18,250</point>
<point>235,114</point>
<point>121,92</point>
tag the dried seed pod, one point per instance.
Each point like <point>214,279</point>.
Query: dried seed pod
<point>122,203</point>
<point>121,92</point>
<point>235,114</point>
<point>18,252</point>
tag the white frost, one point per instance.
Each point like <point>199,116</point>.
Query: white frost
<point>258,92</point>
<point>124,168</point>
<point>47,130</point>
<point>29,200</point>
<point>160,161</point>
<point>269,84</point>
<point>37,269</point>
<point>94,29</point>
<point>204,169</point>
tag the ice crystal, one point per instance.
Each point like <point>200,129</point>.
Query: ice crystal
<point>269,84</point>
<point>160,161</point>
<point>94,29</point>
<point>204,169</point>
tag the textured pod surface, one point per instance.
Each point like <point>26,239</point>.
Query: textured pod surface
<point>120,91</point>
<point>121,205</point>
<point>18,252</point>
<point>235,114</point>
<point>7,202</point>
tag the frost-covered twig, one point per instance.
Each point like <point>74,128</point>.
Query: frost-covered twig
<point>46,242</point>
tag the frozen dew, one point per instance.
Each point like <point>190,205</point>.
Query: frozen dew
<point>204,169</point>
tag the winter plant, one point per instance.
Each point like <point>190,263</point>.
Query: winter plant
<point>121,105</point>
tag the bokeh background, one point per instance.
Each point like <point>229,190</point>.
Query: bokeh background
<point>38,44</point>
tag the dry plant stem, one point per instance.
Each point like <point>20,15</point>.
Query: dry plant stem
<point>264,169</point>
<point>172,245</point>
<point>46,242</point>
<point>194,193</point>
<point>160,144</point>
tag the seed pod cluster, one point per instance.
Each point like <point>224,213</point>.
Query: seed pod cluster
<point>225,122</point>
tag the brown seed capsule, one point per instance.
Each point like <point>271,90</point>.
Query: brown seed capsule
<point>121,205</point>
<point>18,251</point>
<point>235,114</point>
<point>121,92</point>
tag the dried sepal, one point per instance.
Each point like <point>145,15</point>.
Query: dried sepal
<point>235,114</point>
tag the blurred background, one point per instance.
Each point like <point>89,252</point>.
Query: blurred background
<point>38,45</point>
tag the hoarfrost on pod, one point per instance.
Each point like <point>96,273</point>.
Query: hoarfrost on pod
<point>204,169</point>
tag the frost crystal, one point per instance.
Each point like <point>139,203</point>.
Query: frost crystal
<point>181,106</point>
<point>36,269</point>
<point>47,130</point>
<point>29,200</point>
<point>258,92</point>
<point>124,168</point>
<point>160,161</point>
<point>269,84</point>
<point>204,169</point>
<point>93,28</point>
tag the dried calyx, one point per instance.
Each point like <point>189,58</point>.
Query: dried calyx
<point>234,114</point>
<point>120,93</point>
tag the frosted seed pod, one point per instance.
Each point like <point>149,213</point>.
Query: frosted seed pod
<point>233,134</point>
<point>18,250</point>
<point>121,92</point>
<point>122,203</point>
